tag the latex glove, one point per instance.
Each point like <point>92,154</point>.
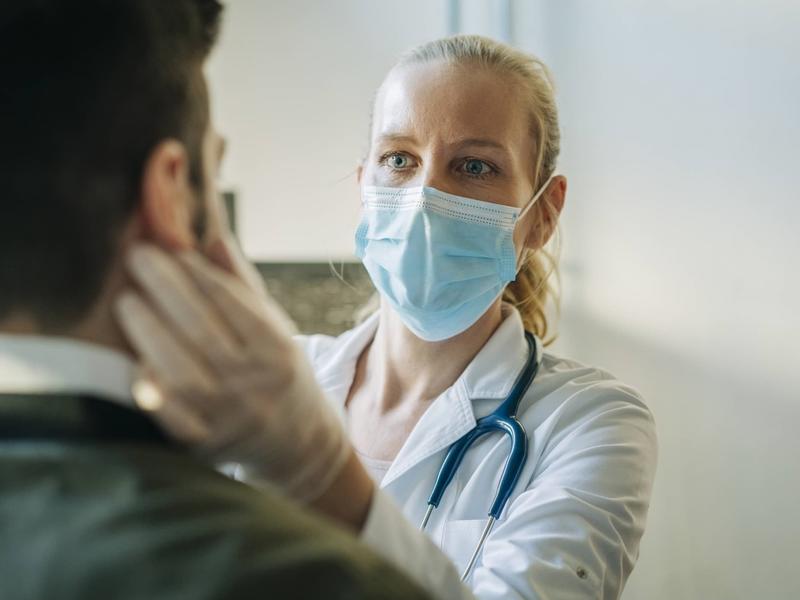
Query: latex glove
<point>225,376</point>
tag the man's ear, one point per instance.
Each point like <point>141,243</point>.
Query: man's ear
<point>360,173</point>
<point>546,213</point>
<point>167,200</point>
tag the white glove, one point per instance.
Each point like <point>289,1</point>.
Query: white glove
<point>223,374</point>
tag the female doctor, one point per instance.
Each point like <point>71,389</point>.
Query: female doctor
<point>459,198</point>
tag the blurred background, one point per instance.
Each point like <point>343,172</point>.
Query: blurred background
<point>681,252</point>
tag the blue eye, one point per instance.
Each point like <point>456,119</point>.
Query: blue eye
<point>397,161</point>
<point>477,168</point>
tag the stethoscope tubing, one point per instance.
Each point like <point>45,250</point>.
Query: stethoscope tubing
<point>503,419</point>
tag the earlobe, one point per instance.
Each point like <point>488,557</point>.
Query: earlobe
<point>166,198</point>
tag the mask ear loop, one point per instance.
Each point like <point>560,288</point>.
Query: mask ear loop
<point>528,206</point>
<point>536,197</point>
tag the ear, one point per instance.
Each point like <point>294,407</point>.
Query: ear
<point>167,200</point>
<point>360,173</point>
<point>544,217</point>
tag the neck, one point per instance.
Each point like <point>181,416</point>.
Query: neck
<point>402,369</point>
<point>97,327</point>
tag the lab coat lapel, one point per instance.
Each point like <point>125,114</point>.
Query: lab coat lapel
<point>489,376</point>
<point>447,419</point>
<point>335,374</point>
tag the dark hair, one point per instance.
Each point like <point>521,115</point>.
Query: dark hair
<point>87,90</point>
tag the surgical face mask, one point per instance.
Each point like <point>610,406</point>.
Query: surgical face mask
<point>439,260</point>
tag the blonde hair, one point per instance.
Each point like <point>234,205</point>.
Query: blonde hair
<point>533,287</point>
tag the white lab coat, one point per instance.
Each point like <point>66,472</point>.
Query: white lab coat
<point>570,530</point>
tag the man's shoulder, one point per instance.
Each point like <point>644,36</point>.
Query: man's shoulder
<point>159,524</point>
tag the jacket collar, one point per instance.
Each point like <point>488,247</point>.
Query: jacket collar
<point>64,416</point>
<point>490,376</point>
<point>33,364</point>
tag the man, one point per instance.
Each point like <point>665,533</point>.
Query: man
<point>107,142</point>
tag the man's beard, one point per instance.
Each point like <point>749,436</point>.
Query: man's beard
<point>200,216</point>
<point>200,220</point>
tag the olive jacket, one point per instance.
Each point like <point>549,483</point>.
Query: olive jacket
<point>96,503</point>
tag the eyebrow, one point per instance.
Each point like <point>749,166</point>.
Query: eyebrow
<point>485,142</point>
<point>396,137</point>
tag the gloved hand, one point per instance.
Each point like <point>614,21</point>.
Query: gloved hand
<point>223,374</point>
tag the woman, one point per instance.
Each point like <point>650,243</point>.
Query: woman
<point>459,197</point>
<point>472,118</point>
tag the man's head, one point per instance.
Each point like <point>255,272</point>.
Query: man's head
<point>106,138</point>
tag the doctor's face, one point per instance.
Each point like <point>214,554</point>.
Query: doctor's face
<point>460,129</point>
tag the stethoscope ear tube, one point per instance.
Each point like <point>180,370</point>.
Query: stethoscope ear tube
<point>478,548</point>
<point>450,466</point>
<point>514,465</point>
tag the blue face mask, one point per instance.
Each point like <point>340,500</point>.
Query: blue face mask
<point>439,260</point>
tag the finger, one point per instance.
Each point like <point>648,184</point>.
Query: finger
<point>224,251</point>
<point>219,253</point>
<point>151,395</point>
<point>172,364</point>
<point>255,320</point>
<point>177,420</point>
<point>233,441</point>
<point>217,221</point>
<point>179,423</point>
<point>179,300</point>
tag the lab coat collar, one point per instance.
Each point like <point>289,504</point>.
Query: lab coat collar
<point>489,376</point>
<point>493,371</point>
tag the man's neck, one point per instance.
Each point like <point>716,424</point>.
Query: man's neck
<point>90,357</point>
<point>97,327</point>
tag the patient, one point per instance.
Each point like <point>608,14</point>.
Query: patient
<point>106,140</point>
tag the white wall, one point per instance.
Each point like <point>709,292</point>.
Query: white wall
<point>681,125</point>
<point>292,82</point>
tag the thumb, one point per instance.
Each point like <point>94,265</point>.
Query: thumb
<point>219,253</point>
<point>223,251</point>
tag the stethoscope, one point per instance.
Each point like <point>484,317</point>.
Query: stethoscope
<point>503,419</point>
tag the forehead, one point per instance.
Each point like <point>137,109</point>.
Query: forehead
<point>442,101</point>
